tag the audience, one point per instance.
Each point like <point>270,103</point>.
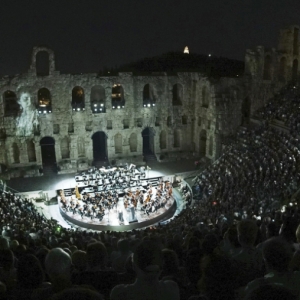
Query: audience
<point>239,240</point>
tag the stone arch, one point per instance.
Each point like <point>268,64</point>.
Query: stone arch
<point>267,68</point>
<point>246,110</point>
<point>65,147</point>
<point>78,98</point>
<point>11,105</point>
<point>202,142</point>
<point>31,150</point>
<point>295,41</point>
<point>133,142</point>
<point>148,96</point>
<point>177,138</point>
<point>99,146</point>
<point>117,96</point>
<point>118,143</point>
<point>48,150</point>
<point>16,153</point>
<point>169,121</point>
<point>163,140</point>
<point>205,102</point>
<point>97,99</point>
<point>184,120</point>
<point>44,100</point>
<point>177,94</point>
<point>47,69</point>
<point>282,69</point>
<point>199,121</point>
<point>211,146</point>
<point>295,70</point>
<point>81,147</point>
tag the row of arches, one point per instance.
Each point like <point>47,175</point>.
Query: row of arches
<point>97,99</point>
<point>100,145</point>
<point>282,69</point>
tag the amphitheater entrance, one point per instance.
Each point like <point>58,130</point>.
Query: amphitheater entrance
<point>246,111</point>
<point>202,143</point>
<point>148,141</point>
<point>99,147</point>
<point>48,155</point>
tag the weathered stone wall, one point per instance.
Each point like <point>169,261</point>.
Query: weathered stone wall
<point>267,70</point>
<point>198,113</point>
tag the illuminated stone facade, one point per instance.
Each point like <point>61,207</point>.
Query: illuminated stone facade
<point>175,117</point>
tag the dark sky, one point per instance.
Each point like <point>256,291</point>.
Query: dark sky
<point>87,35</point>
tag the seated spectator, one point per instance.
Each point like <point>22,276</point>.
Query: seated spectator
<point>30,276</point>
<point>231,245</point>
<point>97,274</point>
<point>8,273</point>
<point>218,278</point>
<point>277,255</point>
<point>59,268</point>
<point>79,260</point>
<point>77,293</point>
<point>270,291</point>
<point>147,261</point>
<point>249,259</point>
<point>123,253</point>
<point>172,271</point>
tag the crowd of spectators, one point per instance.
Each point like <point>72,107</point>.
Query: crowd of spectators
<point>284,107</point>
<point>239,240</point>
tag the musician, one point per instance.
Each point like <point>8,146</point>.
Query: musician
<point>120,216</point>
<point>81,212</point>
<point>132,209</point>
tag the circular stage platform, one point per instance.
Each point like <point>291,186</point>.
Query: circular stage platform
<point>117,199</point>
<point>111,222</point>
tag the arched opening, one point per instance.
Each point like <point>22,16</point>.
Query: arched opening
<point>282,69</point>
<point>176,138</point>
<point>42,63</point>
<point>267,68</point>
<point>11,105</point>
<point>211,146</point>
<point>80,147</point>
<point>44,101</point>
<point>48,151</point>
<point>204,97</point>
<point>65,148</point>
<point>148,96</point>
<point>148,140</point>
<point>78,99</point>
<point>118,143</point>
<point>295,70</point>
<point>99,146</point>
<point>177,94</point>
<point>133,142</point>
<point>31,151</point>
<point>202,143</point>
<point>16,153</point>
<point>199,121</point>
<point>295,41</point>
<point>184,120</point>
<point>163,140</point>
<point>117,96</point>
<point>169,121</point>
<point>246,111</point>
<point>97,99</point>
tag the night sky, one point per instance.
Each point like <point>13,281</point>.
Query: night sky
<point>89,35</point>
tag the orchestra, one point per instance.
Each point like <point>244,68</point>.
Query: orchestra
<point>116,184</point>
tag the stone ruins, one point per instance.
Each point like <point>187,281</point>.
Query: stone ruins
<point>72,121</point>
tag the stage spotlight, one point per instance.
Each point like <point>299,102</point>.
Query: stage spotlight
<point>95,105</point>
<point>149,105</point>
<point>101,104</point>
<point>45,111</point>
<point>78,109</point>
<point>119,107</point>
